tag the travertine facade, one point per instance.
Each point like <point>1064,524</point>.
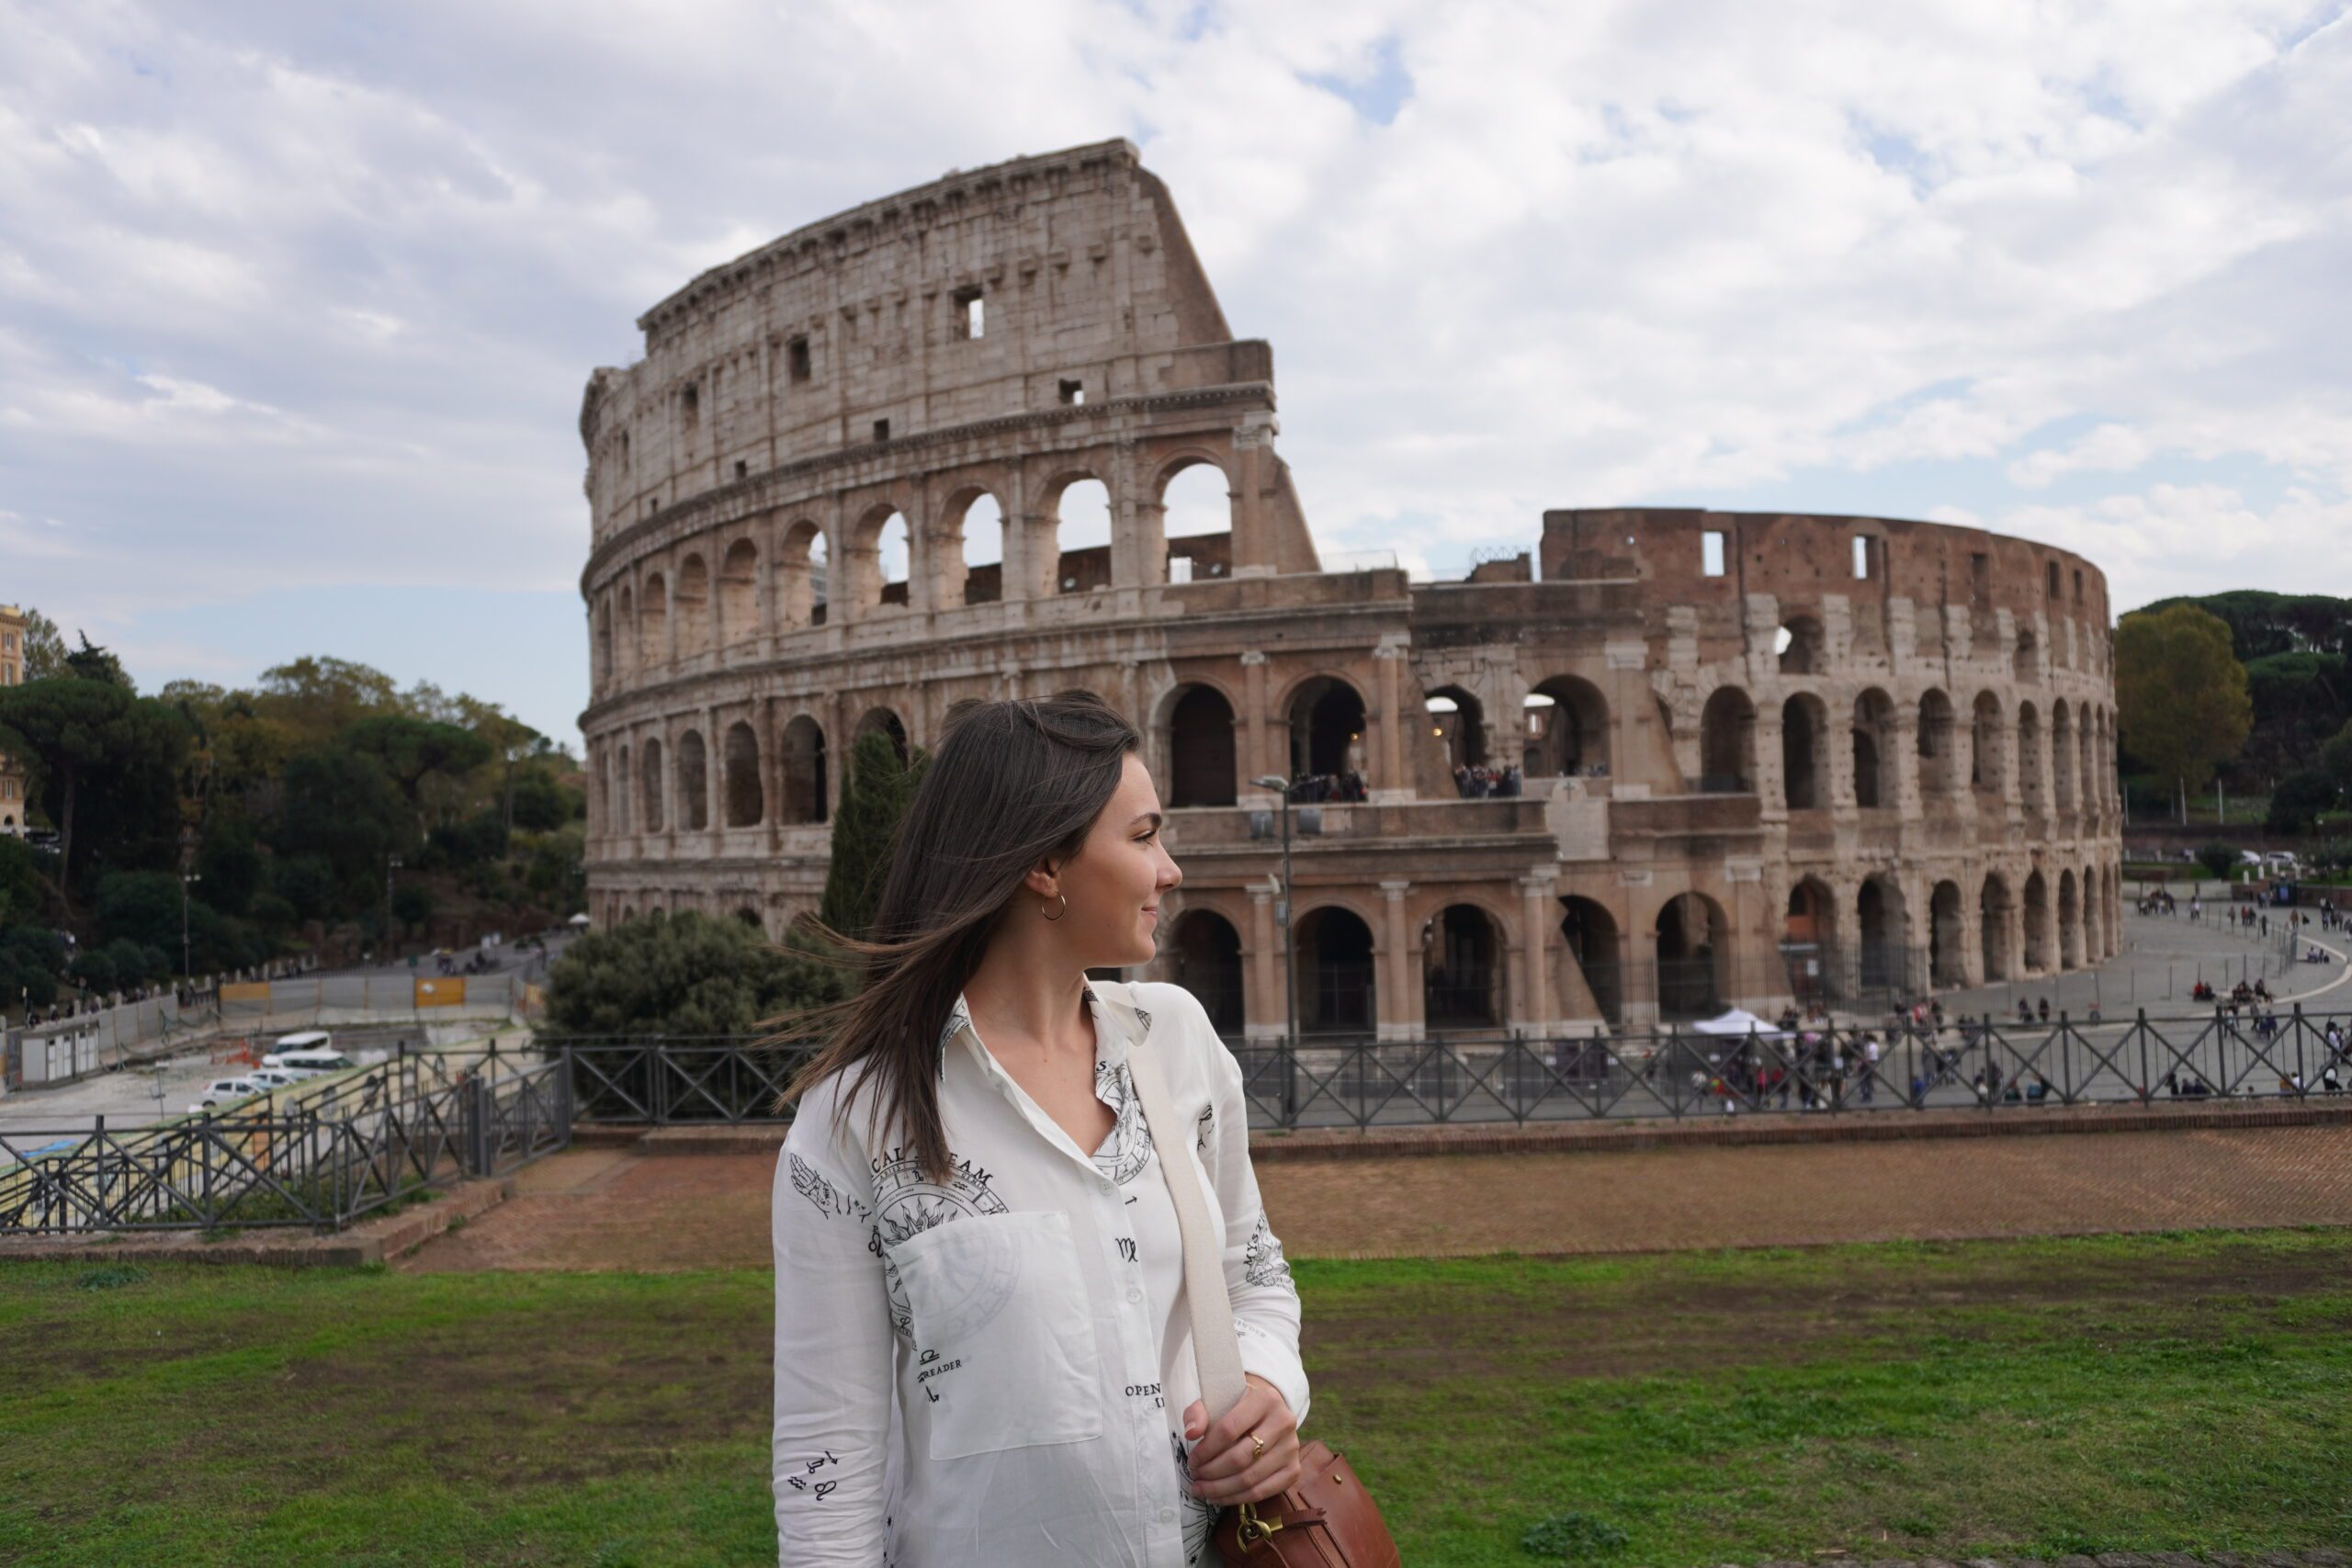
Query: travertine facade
<point>1764,755</point>
<point>12,673</point>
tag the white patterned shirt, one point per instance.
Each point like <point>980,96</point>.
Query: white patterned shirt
<point>993,1373</point>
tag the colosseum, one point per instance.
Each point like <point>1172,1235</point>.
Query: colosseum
<point>1667,761</point>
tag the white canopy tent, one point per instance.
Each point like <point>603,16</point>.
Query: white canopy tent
<point>1740,1022</point>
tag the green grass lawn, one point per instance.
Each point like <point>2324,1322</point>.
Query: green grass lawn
<point>2176,1391</point>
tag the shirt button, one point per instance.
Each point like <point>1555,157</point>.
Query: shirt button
<point>1166,1514</point>
<point>1104,1182</point>
<point>1134,1294</point>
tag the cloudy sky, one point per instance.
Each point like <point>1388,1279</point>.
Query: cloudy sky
<point>297,301</point>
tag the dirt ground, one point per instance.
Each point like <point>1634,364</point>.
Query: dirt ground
<point>608,1208</point>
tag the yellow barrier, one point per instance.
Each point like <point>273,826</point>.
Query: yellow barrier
<point>245,991</point>
<point>449,993</point>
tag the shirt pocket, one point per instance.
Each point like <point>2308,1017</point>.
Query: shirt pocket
<point>1004,1335</point>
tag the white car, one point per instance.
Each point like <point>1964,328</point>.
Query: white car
<point>275,1077</point>
<point>227,1091</point>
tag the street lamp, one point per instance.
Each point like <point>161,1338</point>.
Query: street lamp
<point>1290,968</point>
<point>187,877</point>
<point>391,864</point>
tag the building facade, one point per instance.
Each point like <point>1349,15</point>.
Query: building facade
<point>12,674</point>
<point>1759,756</point>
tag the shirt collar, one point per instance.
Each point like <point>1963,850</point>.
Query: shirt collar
<point>1119,1025</point>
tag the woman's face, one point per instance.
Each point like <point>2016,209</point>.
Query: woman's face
<point>1114,881</point>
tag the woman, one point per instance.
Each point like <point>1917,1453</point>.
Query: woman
<point>982,1357</point>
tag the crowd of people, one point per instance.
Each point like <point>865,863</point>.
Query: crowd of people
<point>1478,784</point>
<point>1315,788</point>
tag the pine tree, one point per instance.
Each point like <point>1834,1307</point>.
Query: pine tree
<point>875,796</point>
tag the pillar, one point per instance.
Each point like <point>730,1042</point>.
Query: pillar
<point>1535,923</point>
<point>1397,974</point>
<point>1264,1010</point>
<point>1255,763</point>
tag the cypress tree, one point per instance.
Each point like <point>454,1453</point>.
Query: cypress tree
<point>875,796</point>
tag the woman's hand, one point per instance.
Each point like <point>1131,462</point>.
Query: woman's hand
<point>1223,1469</point>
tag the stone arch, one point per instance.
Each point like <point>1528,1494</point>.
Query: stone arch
<point>653,623</point>
<point>2086,781</point>
<point>1938,765</point>
<point>693,781</point>
<point>751,917</point>
<point>803,770</point>
<point>1462,954</point>
<point>2037,924</point>
<point>648,765</point>
<point>1192,501</point>
<point>886,720</point>
<point>1994,911</point>
<point>2070,921</point>
<point>605,670</point>
<point>605,820</point>
<point>1727,743</point>
<point>623,784</point>
<point>1203,767</point>
<point>1596,956</point>
<point>1809,939</point>
<point>971,548</point>
<point>1077,520</point>
<point>2093,918</point>
<point>1325,716</point>
<point>1881,935</point>
<point>2025,661</point>
<point>803,572</point>
<point>1805,752</point>
<point>1947,960</point>
<point>1333,950</point>
<point>691,597</point>
<point>1986,732</point>
<point>2061,757</point>
<point>632,649</point>
<point>629,913</point>
<point>1205,957</point>
<point>2030,781</point>
<point>1568,729</point>
<point>1692,944</point>
<point>1457,722</point>
<point>1801,646</point>
<point>1873,740</point>
<point>883,548</point>
<point>745,802</point>
<point>739,592</point>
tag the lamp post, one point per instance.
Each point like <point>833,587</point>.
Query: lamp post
<point>391,864</point>
<point>185,878</point>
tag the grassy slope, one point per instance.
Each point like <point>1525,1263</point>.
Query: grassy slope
<point>2134,1393</point>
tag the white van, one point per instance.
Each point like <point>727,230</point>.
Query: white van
<point>307,1064</point>
<point>308,1040</point>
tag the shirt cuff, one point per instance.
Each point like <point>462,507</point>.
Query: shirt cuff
<point>1278,1364</point>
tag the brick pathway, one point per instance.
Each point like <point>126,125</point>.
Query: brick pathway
<point>620,1208</point>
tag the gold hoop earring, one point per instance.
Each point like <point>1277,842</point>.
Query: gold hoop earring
<point>1065,899</point>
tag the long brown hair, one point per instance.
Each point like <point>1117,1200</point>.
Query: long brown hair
<point>1012,782</point>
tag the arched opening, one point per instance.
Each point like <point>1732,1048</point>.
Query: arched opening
<point>694,783</point>
<point>2087,785</point>
<point>624,783</point>
<point>2024,660</point>
<point>1694,956</point>
<point>1805,752</point>
<point>1808,939</point>
<point>2093,918</point>
<point>632,652</point>
<point>1799,646</point>
<point>1874,750</point>
<point>980,531</point>
<point>2070,922</point>
<point>1201,768</point>
<point>739,592</point>
<point>629,913</point>
<point>803,770</point>
<point>650,764</point>
<point>1938,774</point>
<point>1727,743</point>
<point>1882,936</point>
<point>751,917</point>
<point>1333,948</point>
<point>745,802</point>
<point>1196,522</point>
<point>605,670</point>
<point>1568,729</point>
<point>1325,723</point>
<point>2037,924</point>
<point>2062,756</point>
<point>892,560</point>
<point>1984,765</point>
<point>1205,956</point>
<point>1082,537</point>
<point>606,823</point>
<point>887,722</point>
<point>1457,728</point>
<point>1993,912</point>
<point>1946,966</point>
<point>1462,978</point>
<point>1590,933</point>
<point>653,624</point>
<point>800,576</point>
<point>694,607</point>
<point>2029,780</point>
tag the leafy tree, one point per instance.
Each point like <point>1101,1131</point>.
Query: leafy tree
<point>106,766</point>
<point>94,663</point>
<point>866,825</point>
<point>554,867</point>
<point>412,750</point>
<point>44,646</point>
<point>679,975</point>
<point>319,698</point>
<point>341,810</point>
<point>2296,804</point>
<point>20,890</point>
<point>2219,860</point>
<point>2180,693</point>
<point>229,860</point>
<point>412,905</point>
<point>303,883</point>
<point>538,804</point>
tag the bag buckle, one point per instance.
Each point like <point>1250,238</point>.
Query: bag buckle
<point>1252,1531</point>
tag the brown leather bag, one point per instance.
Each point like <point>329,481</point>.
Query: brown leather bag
<point>1327,1520</point>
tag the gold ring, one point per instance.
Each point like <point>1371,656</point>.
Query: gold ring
<point>1258,1446</point>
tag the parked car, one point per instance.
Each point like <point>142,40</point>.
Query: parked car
<point>307,1064</point>
<point>2282,862</point>
<point>275,1077</point>
<point>226,1091</point>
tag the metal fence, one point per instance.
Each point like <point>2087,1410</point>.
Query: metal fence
<point>1983,1063</point>
<point>320,1157</point>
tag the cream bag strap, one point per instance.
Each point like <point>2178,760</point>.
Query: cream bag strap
<point>1216,1350</point>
